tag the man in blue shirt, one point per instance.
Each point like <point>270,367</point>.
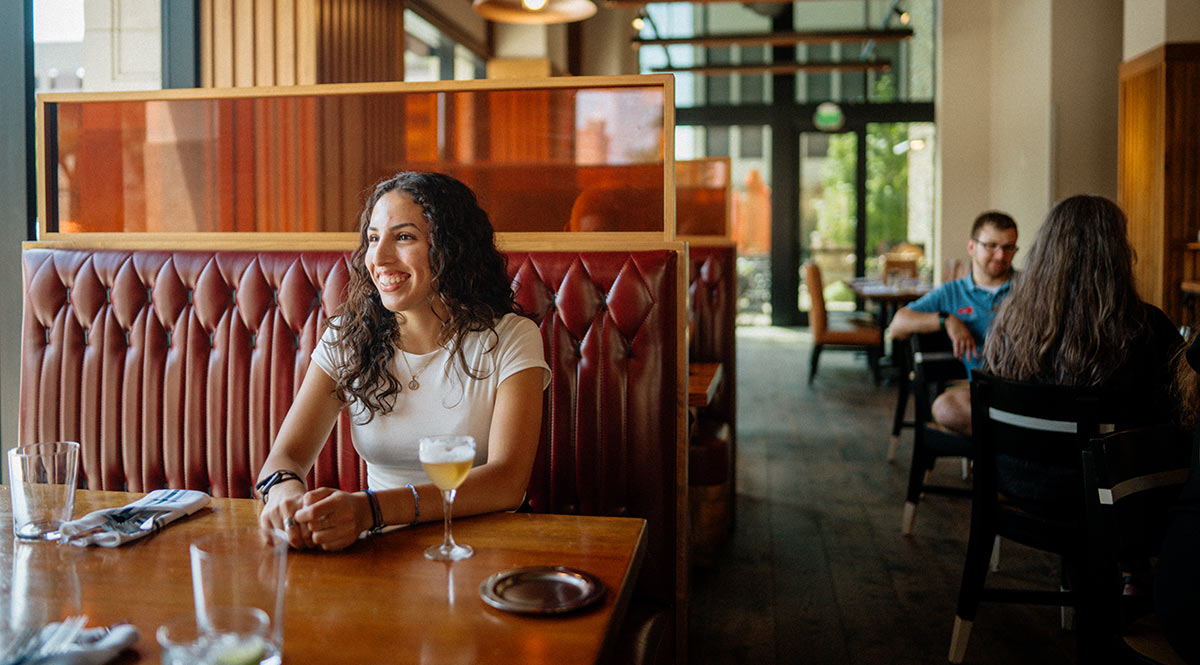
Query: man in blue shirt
<point>965,307</point>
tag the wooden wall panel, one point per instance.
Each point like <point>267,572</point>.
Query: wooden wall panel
<point>1159,166</point>
<point>275,42</point>
<point>1139,188</point>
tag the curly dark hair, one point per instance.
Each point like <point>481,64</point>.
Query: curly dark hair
<point>469,279</point>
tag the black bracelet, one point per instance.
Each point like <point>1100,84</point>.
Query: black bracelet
<point>376,512</point>
<point>264,486</point>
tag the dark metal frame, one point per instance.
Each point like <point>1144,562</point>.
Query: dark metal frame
<point>788,119</point>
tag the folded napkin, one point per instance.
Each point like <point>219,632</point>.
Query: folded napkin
<point>95,646</point>
<point>111,527</point>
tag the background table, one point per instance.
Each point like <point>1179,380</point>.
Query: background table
<point>378,601</point>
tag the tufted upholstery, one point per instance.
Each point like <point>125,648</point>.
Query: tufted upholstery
<point>608,320</point>
<point>176,369</point>
<point>712,298</point>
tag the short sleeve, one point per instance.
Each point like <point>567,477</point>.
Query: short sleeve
<point>520,348</point>
<point>932,302</point>
<point>326,355</point>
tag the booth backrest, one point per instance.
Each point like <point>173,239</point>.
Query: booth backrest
<point>712,300</point>
<point>175,369</point>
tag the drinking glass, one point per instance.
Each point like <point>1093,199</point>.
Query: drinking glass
<point>447,461</point>
<point>241,568</point>
<point>42,485</point>
<point>232,636</point>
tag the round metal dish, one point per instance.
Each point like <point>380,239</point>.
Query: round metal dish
<point>541,590</point>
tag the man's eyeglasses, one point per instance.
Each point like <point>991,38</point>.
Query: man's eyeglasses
<point>990,247</point>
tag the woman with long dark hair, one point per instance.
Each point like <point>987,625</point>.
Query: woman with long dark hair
<point>1074,317</point>
<point>428,342</point>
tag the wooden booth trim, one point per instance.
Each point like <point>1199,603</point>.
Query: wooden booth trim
<point>619,81</point>
<point>580,241</point>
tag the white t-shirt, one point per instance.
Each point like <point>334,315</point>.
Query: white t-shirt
<point>447,401</point>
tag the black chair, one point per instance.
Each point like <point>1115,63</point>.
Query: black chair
<point>1028,486</point>
<point>934,366</point>
<point>902,362</point>
<point>1131,479</point>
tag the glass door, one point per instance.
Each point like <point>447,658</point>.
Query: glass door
<point>828,214</point>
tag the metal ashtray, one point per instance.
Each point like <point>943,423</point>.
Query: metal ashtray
<point>541,590</point>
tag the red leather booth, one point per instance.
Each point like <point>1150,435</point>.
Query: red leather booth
<point>175,369</point>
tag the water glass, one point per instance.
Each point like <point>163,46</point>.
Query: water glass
<point>41,479</point>
<point>241,568</point>
<point>233,636</point>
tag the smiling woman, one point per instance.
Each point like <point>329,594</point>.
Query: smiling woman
<point>429,342</point>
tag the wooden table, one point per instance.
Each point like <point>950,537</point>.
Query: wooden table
<point>890,295</point>
<point>378,601</point>
<point>703,381</point>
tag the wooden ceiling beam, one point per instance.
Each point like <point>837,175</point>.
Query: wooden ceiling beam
<point>781,38</point>
<point>782,68</point>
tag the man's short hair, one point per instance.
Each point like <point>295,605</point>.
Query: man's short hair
<point>994,218</point>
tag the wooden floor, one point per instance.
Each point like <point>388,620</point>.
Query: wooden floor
<point>817,571</point>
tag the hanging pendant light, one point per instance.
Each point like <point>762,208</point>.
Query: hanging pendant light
<point>534,11</point>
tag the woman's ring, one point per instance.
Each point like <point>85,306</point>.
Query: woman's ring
<point>288,523</point>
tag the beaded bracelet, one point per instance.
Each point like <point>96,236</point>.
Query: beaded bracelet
<point>376,513</point>
<point>416,504</point>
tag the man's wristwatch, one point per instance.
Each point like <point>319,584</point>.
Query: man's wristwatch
<point>264,486</point>
<point>941,320</point>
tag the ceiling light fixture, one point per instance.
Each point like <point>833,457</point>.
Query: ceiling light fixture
<point>534,12</point>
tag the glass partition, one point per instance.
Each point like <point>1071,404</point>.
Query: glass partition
<point>303,159</point>
<point>702,197</point>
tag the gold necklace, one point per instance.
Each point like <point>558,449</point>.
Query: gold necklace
<point>413,384</point>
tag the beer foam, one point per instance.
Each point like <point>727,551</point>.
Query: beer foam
<point>437,454</point>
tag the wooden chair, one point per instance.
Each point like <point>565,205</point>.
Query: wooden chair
<point>899,266</point>
<point>1028,486</point>
<point>1131,480</point>
<point>934,366</point>
<point>855,331</point>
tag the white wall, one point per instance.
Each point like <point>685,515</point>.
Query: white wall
<point>1149,23</point>
<point>1145,26</point>
<point>122,45</point>
<point>1026,109</point>
<point>1020,98</point>
<point>1084,84</point>
<point>963,108</point>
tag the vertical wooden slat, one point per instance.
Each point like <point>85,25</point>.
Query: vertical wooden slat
<point>222,43</point>
<point>207,50</point>
<point>264,42</point>
<point>243,42</point>
<point>286,57</point>
<point>306,42</point>
<point>263,166</point>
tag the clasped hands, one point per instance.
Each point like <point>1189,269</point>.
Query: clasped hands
<point>327,518</point>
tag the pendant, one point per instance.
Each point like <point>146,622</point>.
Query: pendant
<point>413,385</point>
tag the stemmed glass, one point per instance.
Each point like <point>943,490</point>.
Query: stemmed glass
<point>447,461</point>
